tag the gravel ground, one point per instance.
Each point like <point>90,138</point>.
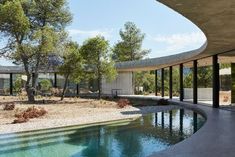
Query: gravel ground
<point>70,112</point>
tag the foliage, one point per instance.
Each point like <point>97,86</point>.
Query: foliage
<point>72,67</point>
<point>45,84</point>
<point>18,85</point>
<point>34,30</point>
<point>145,80</point>
<point>95,52</point>
<point>130,46</point>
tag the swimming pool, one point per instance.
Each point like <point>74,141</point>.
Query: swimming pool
<point>127,138</point>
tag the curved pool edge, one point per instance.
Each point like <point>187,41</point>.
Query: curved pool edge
<point>215,138</point>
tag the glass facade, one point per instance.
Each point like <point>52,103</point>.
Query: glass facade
<point>175,82</point>
<point>204,81</point>
<point>188,81</point>
<point>4,84</point>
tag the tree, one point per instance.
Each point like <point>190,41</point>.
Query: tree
<point>146,80</point>
<point>130,46</point>
<point>95,52</point>
<point>72,67</point>
<point>34,30</point>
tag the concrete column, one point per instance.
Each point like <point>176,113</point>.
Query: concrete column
<point>181,82</point>
<point>195,82</point>
<point>216,83</point>
<point>155,82</point>
<point>162,80</point>
<point>170,82</point>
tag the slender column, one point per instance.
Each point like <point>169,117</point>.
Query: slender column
<point>181,83</point>
<point>216,83</point>
<point>55,80</point>
<point>170,82</point>
<point>162,79</point>
<point>195,81</point>
<point>155,82</point>
<point>11,84</point>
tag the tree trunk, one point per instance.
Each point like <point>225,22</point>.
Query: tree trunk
<point>65,87</point>
<point>29,89</point>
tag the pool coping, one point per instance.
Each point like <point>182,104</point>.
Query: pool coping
<point>215,138</point>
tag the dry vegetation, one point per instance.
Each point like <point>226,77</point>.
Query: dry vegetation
<point>17,110</point>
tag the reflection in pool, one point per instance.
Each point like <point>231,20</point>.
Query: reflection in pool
<point>141,137</point>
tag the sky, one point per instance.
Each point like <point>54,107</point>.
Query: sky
<point>166,31</point>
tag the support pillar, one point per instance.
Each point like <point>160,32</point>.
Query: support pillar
<point>216,83</point>
<point>11,84</point>
<point>162,79</point>
<point>170,82</point>
<point>155,82</point>
<point>195,82</point>
<point>181,82</point>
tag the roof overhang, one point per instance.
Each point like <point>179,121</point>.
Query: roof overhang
<point>216,19</point>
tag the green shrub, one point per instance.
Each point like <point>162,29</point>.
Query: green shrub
<point>18,85</point>
<point>45,85</point>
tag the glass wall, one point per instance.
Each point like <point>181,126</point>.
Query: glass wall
<point>175,82</point>
<point>159,82</point>
<point>4,84</point>
<point>188,81</point>
<point>166,82</point>
<point>204,81</point>
<point>18,83</point>
<point>227,79</point>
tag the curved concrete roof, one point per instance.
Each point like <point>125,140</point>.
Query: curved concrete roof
<point>215,18</point>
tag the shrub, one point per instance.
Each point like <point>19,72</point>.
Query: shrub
<point>163,102</point>
<point>45,85</point>
<point>18,85</point>
<point>31,112</point>
<point>9,107</point>
<point>123,103</point>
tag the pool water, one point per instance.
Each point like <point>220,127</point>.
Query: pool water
<point>137,138</point>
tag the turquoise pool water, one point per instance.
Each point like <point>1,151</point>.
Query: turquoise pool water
<point>139,138</point>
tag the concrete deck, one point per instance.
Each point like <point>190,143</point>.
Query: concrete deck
<point>215,139</point>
